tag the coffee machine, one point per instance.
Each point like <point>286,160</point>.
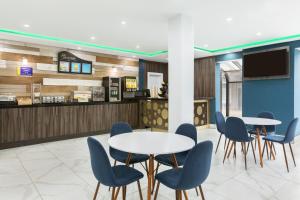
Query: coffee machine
<point>112,87</point>
<point>129,87</point>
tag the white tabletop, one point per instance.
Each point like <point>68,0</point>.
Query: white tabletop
<point>260,121</point>
<point>151,143</point>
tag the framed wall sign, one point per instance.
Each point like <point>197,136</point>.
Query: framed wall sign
<point>86,68</point>
<point>69,63</point>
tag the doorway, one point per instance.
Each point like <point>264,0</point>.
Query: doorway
<point>154,82</point>
<point>231,87</point>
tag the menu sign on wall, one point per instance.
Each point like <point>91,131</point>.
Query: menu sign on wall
<point>69,63</point>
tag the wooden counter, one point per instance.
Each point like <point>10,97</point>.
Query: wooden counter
<point>49,122</point>
<point>154,113</point>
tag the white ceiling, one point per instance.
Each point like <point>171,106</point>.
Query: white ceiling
<point>147,21</point>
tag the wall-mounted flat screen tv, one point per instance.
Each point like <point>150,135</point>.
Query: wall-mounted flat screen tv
<point>271,64</point>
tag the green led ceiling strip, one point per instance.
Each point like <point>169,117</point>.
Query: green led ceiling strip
<point>142,53</point>
<point>251,44</point>
<point>80,43</point>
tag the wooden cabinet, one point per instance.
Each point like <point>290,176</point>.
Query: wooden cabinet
<point>36,124</point>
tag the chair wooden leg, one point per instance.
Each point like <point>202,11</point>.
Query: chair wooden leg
<point>253,151</point>
<point>185,195</point>
<point>218,143</point>
<point>231,147</point>
<point>154,182</point>
<point>292,154</point>
<point>245,154</point>
<point>264,148</point>
<point>228,143</point>
<point>123,193</point>
<point>96,192</point>
<point>197,192</point>
<point>225,143</point>
<point>234,150</point>
<point>115,163</point>
<point>286,162</point>
<point>117,193</point>
<point>113,193</point>
<point>255,141</point>
<point>157,188</point>
<point>146,166</point>
<point>248,146</point>
<point>274,148</point>
<point>268,155</point>
<point>201,192</point>
<point>140,190</point>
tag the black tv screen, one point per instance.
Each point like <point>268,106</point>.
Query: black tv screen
<point>267,65</point>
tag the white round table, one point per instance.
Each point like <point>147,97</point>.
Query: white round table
<point>261,122</point>
<point>151,143</point>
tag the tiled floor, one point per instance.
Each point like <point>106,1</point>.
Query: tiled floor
<point>61,171</point>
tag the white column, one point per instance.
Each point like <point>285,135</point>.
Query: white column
<point>181,71</point>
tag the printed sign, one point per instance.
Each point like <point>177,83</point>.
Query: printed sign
<point>24,71</point>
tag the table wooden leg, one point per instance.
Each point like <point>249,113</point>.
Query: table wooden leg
<point>174,161</point>
<point>128,159</point>
<point>150,176</point>
<point>259,147</point>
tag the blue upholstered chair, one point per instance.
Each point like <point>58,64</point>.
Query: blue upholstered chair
<point>236,131</point>
<point>220,121</point>
<point>194,172</point>
<point>117,176</point>
<point>285,139</point>
<point>121,156</point>
<point>269,129</point>
<point>188,130</point>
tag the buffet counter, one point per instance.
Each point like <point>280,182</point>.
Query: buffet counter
<point>31,124</point>
<point>37,123</point>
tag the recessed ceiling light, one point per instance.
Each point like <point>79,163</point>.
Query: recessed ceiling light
<point>137,46</point>
<point>123,22</point>
<point>26,25</point>
<point>92,38</point>
<point>206,45</point>
<point>258,33</point>
<point>229,19</point>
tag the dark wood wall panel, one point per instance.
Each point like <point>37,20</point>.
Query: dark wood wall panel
<point>204,75</point>
<point>29,125</point>
<point>204,78</point>
<point>150,66</point>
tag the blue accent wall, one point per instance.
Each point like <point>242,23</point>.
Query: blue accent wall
<point>280,96</point>
<point>296,86</point>
<point>276,95</point>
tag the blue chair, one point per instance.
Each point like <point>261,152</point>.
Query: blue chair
<point>116,177</point>
<point>188,130</point>
<point>121,156</point>
<point>236,131</point>
<point>285,139</point>
<point>269,129</point>
<point>220,121</point>
<point>194,172</point>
